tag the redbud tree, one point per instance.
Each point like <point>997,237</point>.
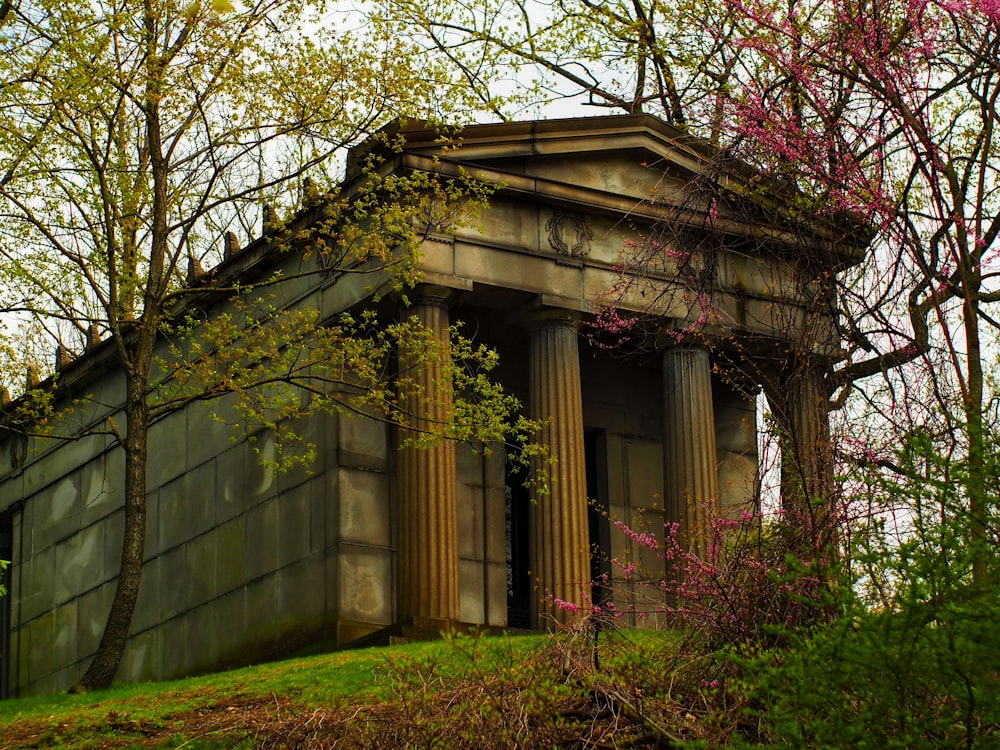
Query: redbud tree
<point>881,114</point>
<point>887,112</point>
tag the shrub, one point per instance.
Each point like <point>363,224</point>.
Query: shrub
<point>912,660</point>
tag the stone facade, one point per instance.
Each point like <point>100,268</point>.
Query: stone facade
<point>243,565</point>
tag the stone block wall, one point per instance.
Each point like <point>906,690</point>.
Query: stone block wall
<point>241,564</point>
<point>364,526</point>
<point>736,443</point>
<point>624,400</point>
<point>482,547</point>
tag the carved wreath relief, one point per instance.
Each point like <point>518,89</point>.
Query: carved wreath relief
<point>569,235</point>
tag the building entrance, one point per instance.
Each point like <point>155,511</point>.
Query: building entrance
<point>518,511</point>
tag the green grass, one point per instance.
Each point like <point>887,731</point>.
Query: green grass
<point>463,691</point>
<point>87,720</point>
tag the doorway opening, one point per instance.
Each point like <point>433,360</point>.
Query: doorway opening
<point>599,525</point>
<point>517,508</point>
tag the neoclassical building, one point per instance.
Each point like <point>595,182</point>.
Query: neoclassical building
<point>243,565</point>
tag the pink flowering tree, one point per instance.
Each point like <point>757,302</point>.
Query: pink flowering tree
<point>887,112</point>
<point>878,114</point>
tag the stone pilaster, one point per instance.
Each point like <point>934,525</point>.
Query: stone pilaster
<point>560,556</point>
<point>806,455</point>
<point>428,488</point>
<point>810,460</point>
<point>690,465</point>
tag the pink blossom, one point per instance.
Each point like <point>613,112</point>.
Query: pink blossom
<point>713,212</point>
<point>643,539</point>
<point>566,606</point>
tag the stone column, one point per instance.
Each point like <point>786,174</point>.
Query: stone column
<point>690,465</point>
<point>560,555</point>
<point>428,488</point>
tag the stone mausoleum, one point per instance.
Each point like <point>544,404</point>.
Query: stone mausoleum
<point>243,565</point>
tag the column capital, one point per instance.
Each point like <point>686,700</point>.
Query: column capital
<point>685,348</point>
<point>670,336</point>
<point>553,317</point>
<point>432,294</point>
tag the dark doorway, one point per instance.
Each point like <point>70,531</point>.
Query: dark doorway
<point>517,506</point>
<point>6,553</point>
<point>596,455</point>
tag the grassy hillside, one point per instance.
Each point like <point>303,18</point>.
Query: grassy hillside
<point>247,704</point>
<point>525,691</point>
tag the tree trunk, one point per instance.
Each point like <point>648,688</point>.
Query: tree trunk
<point>102,670</point>
<point>976,481</point>
<point>137,360</point>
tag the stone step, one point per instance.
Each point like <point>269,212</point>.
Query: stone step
<point>432,629</point>
<point>411,634</point>
<point>440,625</point>
<point>457,626</point>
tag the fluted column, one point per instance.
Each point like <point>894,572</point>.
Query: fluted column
<point>690,465</point>
<point>428,488</point>
<point>560,557</point>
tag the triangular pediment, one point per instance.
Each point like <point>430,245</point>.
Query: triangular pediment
<point>634,165</point>
<point>624,156</point>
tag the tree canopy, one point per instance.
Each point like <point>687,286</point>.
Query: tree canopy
<point>141,144</point>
